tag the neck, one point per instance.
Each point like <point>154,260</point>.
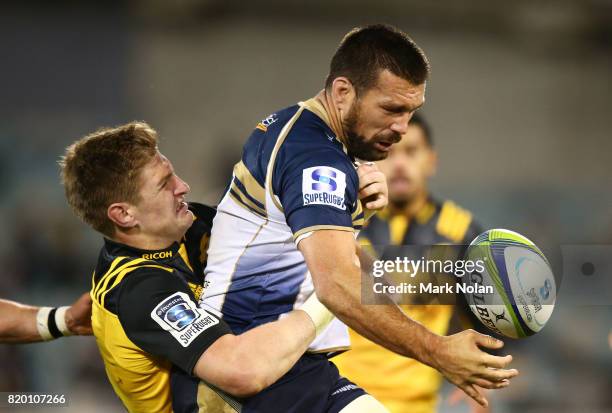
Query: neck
<point>410,207</point>
<point>142,241</point>
<point>333,113</point>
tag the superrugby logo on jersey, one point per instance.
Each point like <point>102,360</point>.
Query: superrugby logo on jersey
<point>324,185</point>
<point>182,318</point>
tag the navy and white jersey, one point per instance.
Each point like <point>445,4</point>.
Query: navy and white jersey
<point>295,177</point>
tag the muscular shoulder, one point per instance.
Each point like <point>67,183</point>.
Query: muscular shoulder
<point>310,145</point>
<point>310,137</point>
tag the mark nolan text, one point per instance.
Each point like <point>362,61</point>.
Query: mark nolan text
<point>431,288</point>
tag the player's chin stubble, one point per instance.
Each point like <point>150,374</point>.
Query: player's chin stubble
<point>357,145</point>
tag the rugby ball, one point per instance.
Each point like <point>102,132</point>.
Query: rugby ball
<point>514,294</point>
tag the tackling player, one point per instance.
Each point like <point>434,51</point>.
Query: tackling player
<point>156,343</point>
<point>413,217</point>
<point>292,211</point>
<point>20,323</point>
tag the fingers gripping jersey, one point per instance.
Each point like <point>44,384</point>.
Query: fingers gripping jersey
<point>294,177</point>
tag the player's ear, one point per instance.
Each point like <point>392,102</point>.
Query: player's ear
<point>121,213</point>
<point>343,93</point>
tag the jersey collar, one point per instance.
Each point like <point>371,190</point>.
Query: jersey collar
<point>116,248</point>
<point>320,106</point>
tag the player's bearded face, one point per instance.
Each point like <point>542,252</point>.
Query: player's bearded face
<point>366,148</point>
<point>379,115</point>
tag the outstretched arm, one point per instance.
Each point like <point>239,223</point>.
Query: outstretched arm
<point>158,313</point>
<point>246,364</point>
<point>20,323</point>
<point>332,260</point>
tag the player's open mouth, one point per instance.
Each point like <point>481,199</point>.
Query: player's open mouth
<point>400,180</point>
<point>182,207</point>
<point>383,146</point>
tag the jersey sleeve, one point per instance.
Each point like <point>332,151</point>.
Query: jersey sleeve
<point>317,190</point>
<point>197,237</point>
<point>203,213</point>
<point>159,314</point>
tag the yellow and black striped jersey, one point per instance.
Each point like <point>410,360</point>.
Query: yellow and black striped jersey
<point>435,223</point>
<point>404,385</point>
<point>148,327</point>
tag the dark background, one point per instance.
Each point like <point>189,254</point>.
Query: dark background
<point>519,99</point>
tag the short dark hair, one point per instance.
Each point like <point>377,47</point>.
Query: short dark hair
<point>420,121</point>
<point>104,167</point>
<point>365,51</point>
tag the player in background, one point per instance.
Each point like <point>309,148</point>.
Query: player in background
<point>293,208</point>
<point>21,323</point>
<point>155,342</point>
<point>412,217</point>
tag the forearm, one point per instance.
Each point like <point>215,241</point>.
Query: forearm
<point>384,324</point>
<point>246,364</point>
<point>18,323</point>
<point>273,348</point>
<point>333,262</point>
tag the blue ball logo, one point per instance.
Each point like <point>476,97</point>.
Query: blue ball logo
<point>545,289</point>
<point>324,180</point>
<point>180,316</point>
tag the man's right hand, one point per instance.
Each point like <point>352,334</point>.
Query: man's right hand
<point>332,260</point>
<point>78,316</point>
<point>459,358</point>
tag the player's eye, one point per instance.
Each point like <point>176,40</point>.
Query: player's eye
<point>393,110</point>
<point>164,184</point>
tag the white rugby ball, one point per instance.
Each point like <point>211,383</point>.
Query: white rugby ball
<point>515,294</point>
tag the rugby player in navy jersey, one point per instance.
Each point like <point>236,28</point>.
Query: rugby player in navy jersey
<point>293,208</point>
<point>161,352</point>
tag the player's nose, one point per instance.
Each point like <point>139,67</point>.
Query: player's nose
<point>401,124</point>
<point>182,187</point>
<point>399,169</point>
